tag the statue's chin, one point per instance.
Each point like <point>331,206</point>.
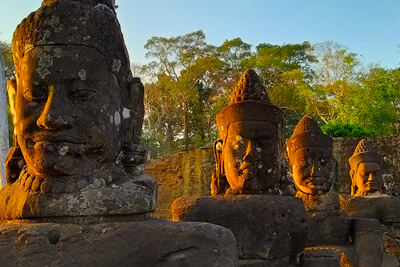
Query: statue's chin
<point>51,164</point>
<point>61,160</point>
<point>314,189</point>
<point>256,184</point>
<point>369,193</point>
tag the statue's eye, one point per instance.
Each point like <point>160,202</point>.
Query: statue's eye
<point>38,92</point>
<point>265,142</point>
<point>364,173</point>
<point>323,161</point>
<point>236,145</point>
<point>83,94</point>
<point>378,172</point>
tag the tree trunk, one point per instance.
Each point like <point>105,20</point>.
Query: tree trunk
<point>186,125</point>
<point>4,144</point>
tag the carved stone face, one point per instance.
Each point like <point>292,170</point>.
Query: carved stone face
<point>249,155</point>
<point>312,170</point>
<point>367,178</point>
<point>68,111</point>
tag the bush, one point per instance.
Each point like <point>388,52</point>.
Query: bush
<point>339,129</point>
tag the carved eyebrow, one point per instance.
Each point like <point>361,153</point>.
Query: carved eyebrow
<point>265,135</point>
<point>364,169</point>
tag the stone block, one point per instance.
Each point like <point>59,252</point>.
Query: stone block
<point>123,197</point>
<point>265,226</point>
<point>382,207</point>
<point>318,258</point>
<point>327,228</point>
<point>144,243</point>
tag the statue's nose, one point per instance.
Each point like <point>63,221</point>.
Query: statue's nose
<point>250,154</point>
<point>315,169</point>
<point>312,170</point>
<point>53,117</point>
<point>371,177</point>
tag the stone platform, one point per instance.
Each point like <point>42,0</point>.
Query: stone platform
<point>151,242</point>
<point>267,227</point>
<point>382,207</point>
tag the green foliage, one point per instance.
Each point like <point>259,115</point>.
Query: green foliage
<point>190,82</point>
<point>375,103</point>
<point>8,63</point>
<point>274,60</point>
<point>340,129</point>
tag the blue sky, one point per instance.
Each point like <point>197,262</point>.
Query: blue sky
<point>369,28</point>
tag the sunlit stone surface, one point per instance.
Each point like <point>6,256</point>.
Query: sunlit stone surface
<point>76,194</point>
<point>248,154</point>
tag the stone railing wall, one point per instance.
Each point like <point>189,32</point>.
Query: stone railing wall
<point>188,173</point>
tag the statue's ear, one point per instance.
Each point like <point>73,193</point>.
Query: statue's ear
<point>218,180</point>
<point>133,111</point>
<point>352,173</point>
<point>12,93</point>
<point>219,161</point>
<point>286,157</point>
<point>353,183</point>
<point>133,152</point>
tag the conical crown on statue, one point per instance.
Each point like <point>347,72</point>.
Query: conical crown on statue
<point>249,87</point>
<point>249,102</point>
<point>307,134</point>
<point>365,151</point>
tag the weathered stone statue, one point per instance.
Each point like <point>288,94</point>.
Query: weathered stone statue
<point>270,229</point>
<point>75,163</point>
<point>329,232</point>
<point>311,163</point>
<point>367,199</point>
<point>77,128</point>
<point>249,154</point>
<point>366,170</point>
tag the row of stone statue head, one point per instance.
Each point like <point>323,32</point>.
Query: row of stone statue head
<point>249,154</point>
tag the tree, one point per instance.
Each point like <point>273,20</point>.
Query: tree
<point>334,81</point>
<point>273,60</point>
<point>185,67</point>
<point>285,71</point>
<point>376,102</point>
<point>8,60</point>
<point>4,131</point>
<point>9,71</point>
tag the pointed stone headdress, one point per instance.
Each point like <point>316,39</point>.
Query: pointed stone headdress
<point>364,151</point>
<point>307,134</point>
<point>249,102</point>
<point>91,23</point>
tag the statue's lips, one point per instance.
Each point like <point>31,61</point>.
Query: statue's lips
<point>245,171</point>
<point>57,139</point>
<point>371,184</point>
<point>317,182</point>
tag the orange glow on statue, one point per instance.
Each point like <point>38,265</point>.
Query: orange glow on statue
<point>310,159</point>
<point>366,170</point>
<point>249,154</point>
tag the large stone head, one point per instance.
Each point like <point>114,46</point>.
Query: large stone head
<point>77,113</point>
<point>248,154</point>
<point>75,104</point>
<point>365,170</point>
<point>310,158</point>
